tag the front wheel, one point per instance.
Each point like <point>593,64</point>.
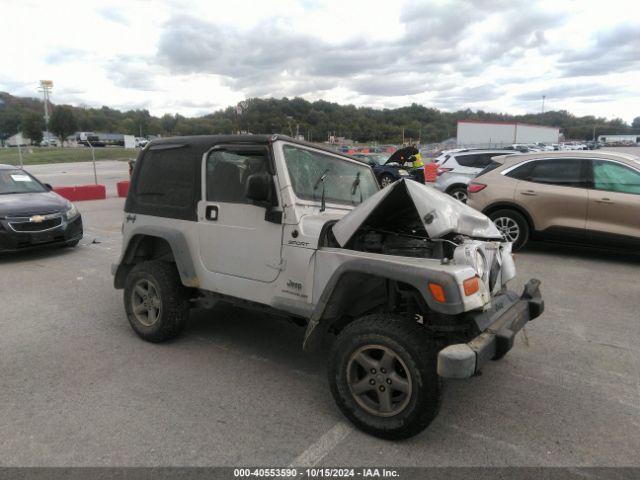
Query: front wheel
<point>156,302</point>
<point>386,180</point>
<point>382,374</point>
<point>513,227</point>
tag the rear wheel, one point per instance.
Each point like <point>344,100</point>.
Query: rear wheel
<point>459,193</point>
<point>382,374</point>
<point>513,227</point>
<point>156,302</point>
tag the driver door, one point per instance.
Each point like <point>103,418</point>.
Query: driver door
<point>234,237</point>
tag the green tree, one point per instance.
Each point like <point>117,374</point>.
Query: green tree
<point>636,123</point>
<point>9,124</point>
<point>32,126</point>
<point>169,122</point>
<point>63,123</point>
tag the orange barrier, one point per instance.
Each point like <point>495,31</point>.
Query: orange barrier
<point>82,192</point>
<point>430,172</point>
<point>123,188</point>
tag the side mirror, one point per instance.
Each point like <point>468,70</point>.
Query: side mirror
<point>258,187</point>
<point>48,186</point>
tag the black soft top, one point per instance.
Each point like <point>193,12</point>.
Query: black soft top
<point>166,181</point>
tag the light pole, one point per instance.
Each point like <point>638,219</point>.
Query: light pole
<point>543,97</point>
<point>45,87</point>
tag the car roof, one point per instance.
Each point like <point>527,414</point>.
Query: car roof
<point>607,155</point>
<point>204,141</point>
<point>487,150</point>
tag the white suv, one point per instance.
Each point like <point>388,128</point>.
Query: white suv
<point>457,169</point>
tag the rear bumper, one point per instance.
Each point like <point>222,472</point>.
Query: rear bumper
<point>508,315</point>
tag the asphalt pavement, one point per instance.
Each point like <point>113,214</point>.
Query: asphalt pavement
<point>78,388</point>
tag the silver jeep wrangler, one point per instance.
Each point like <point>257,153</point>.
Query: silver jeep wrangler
<point>407,284</point>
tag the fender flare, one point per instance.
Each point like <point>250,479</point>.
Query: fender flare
<point>179,248</point>
<point>417,277</point>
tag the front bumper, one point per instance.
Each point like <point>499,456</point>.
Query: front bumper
<point>15,241</point>
<point>509,313</point>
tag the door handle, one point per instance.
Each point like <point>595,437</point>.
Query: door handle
<point>211,213</point>
<point>530,193</point>
<point>604,200</point>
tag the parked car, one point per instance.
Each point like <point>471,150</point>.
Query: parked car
<point>459,168</point>
<point>32,215</point>
<point>408,284</point>
<point>585,197</point>
<point>385,173</point>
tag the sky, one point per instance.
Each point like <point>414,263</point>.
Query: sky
<point>194,57</point>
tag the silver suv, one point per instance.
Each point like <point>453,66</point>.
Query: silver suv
<point>406,283</point>
<point>457,169</point>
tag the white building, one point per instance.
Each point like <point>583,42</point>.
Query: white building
<point>619,138</point>
<point>473,133</point>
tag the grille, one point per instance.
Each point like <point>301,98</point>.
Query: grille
<point>36,226</point>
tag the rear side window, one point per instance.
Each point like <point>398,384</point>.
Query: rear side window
<point>166,178</point>
<point>492,166</point>
<point>468,160</point>
<point>564,172</point>
<point>228,171</point>
<point>614,177</point>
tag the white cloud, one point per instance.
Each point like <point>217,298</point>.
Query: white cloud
<point>194,57</point>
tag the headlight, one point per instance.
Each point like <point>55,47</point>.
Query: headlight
<point>403,172</point>
<point>481,264</point>
<point>72,212</point>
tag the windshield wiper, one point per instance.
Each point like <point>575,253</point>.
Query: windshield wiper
<point>355,186</point>
<point>321,179</point>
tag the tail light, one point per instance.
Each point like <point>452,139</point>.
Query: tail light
<point>442,170</point>
<point>475,187</point>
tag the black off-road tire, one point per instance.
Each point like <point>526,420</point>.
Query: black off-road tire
<point>173,296</point>
<point>518,218</point>
<point>415,348</point>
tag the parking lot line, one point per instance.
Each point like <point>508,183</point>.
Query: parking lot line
<point>321,448</point>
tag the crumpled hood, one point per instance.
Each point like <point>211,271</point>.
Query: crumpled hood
<point>27,204</point>
<point>440,213</point>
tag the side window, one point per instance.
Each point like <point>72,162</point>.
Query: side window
<point>484,160</point>
<point>467,160</point>
<point>564,172</point>
<point>227,174</point>
<point>614,177</point>
<point>166,177</point>
<point>521,172</point>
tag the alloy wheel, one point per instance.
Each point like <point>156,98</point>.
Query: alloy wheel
<point>385,181</point>
<point>379,380</point>
<point>508,227</point>
<point>460,195</point>
<point>145,302</point>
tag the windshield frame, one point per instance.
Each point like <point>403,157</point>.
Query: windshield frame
<point>18,170</point>
<point>330,203</point>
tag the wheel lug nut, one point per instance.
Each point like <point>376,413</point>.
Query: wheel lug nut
<point>373,370</point>
<point>383,370</point>
<point>382,388</point>
<point>389,381</point>
<point>372,381</point>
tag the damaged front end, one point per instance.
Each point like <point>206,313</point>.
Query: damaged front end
<point>413,220</point>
